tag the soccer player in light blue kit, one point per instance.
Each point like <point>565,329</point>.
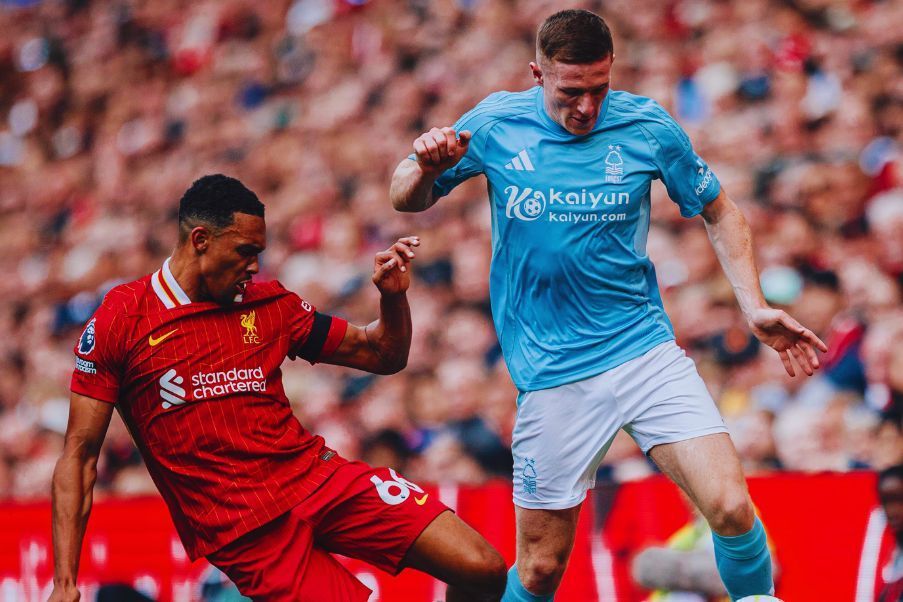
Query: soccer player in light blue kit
<point>576,307</point>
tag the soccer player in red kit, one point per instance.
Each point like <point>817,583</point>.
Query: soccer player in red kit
<point>190,358</point>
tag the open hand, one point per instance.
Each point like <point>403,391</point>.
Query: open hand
<point>440,149</point>
<point>390,267</point>
<point>778,330</point>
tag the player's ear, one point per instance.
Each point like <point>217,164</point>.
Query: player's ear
<point>537,73</point>
<point>200,239</point>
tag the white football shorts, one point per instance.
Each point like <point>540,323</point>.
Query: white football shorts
<point>561,434</point>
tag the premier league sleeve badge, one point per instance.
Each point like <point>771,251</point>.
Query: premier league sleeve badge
<point>87,340</point>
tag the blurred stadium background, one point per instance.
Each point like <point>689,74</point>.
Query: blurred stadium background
<point>110,109</point>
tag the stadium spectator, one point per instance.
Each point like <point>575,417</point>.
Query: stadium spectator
<point>683,569</point>
<point>107,108</point>
<point>890,493</point>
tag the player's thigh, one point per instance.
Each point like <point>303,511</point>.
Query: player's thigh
<point>560,437</point>
<point>380,521</point>
<point>663,398</point>
<point>279,562</point>
<point>451,550</point>
<point>708,469</point>
<point>674,420</point>
<point>325,579</point>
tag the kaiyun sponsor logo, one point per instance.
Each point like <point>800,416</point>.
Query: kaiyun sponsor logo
<point>527,204</point>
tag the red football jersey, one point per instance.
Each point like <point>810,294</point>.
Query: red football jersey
<point>200,389</point>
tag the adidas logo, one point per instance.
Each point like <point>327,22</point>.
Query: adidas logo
<point>170,391</point>
<point>520,162</point>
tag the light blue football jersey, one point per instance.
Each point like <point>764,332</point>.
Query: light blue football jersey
<point>573,292</point>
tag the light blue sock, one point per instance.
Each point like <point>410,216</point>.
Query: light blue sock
<point>516,592</point>
<point>744,562</point>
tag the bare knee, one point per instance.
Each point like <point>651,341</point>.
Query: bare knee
<point>541,574</point>
<point>489,572</point>
<point>544,542</point>
<point>484,578</point>
<point>731,513</point>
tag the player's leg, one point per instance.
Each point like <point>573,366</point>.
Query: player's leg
<point>451,551</point>
<point>674,420</point>
<point>708,469</point>
<point>545,539</point>
<point>383,519</point>
<point>560,437</point>
<point>279,562</point>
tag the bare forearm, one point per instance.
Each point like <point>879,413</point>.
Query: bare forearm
<point>390,336</point>
<point>732,240</point>
<point>411,189</point>
<point>73,483</point>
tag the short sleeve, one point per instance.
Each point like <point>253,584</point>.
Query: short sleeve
<point>478,121</point>
<point>470,165</point>
<point>312,335</point>
<point>691,183</point>
<point>98,356</point>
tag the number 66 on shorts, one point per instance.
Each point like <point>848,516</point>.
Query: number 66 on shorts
<point>399,483</point>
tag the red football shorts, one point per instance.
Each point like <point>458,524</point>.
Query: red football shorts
<point>372,514</point>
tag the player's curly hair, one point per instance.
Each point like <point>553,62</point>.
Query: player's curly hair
<point>213,200</point>
<point>574,36</point>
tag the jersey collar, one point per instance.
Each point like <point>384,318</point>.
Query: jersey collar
<point>557,127</point>
<point>167,287</point>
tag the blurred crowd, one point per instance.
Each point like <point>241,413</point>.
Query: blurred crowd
<point>109,110</point>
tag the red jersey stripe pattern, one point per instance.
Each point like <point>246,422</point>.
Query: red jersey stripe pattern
<point>200,388</point>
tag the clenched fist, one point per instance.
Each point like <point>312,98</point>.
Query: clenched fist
<point>440,149</point>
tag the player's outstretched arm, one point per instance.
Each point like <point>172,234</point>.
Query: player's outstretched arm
<point>382,346</point>
<point>435,151</point>
<point>73,486</point>
<point>732,239</point>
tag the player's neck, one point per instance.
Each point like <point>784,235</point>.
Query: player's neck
<point>186,271</point>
